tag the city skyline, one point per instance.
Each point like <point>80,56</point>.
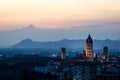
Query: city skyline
<point>59,39</point>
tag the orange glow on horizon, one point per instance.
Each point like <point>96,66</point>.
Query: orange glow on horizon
<point>56,13</point>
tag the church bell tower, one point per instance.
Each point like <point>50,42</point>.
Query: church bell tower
<point>89,48</point>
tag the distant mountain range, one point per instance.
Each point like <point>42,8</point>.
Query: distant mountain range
<point>98,44</point>
<point>11,37</point>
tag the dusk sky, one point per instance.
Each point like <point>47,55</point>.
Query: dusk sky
<point>71,19</point>
<point>64,14</point>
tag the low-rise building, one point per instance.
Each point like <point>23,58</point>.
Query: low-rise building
<point>86,70</point>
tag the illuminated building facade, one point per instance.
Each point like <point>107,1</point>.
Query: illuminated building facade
<point>86,70</point>
<point>89,48</point>
<point>63,53</point>
<point>105,54</point>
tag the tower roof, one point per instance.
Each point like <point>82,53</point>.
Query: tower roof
<point>89,39</point>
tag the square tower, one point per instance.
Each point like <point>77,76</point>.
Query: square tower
<point>89,48</point>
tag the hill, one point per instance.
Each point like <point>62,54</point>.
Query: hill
<point>98,44</point>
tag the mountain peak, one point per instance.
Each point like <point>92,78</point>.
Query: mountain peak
<point>24,43</point>
<point>26,40</point>
<point>107,40</point>
<point>29,27</point>
<point>64,40</point>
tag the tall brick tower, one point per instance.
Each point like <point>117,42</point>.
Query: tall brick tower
<point>63,53</point>
<point>89,48</point>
